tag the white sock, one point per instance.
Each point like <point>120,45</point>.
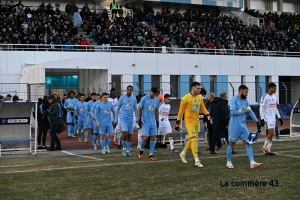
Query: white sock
<point>183,153</point>
<point>269,145</point>
<point>252,162</point>
<point>118,136</point>
<point>266,142</point>
<point>171,142</point>
<point>139,136</point>
<point>115,134</point>
<point>229,163</point>
<point>197,160</point>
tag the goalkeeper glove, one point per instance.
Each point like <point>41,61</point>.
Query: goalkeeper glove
<point>140,123</point>
<point>281,122</point>
<point>262,122</point>
<point>177,126</point>
<point>258,127</point>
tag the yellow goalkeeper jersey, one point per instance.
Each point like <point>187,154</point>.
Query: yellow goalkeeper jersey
<point>190,105</point>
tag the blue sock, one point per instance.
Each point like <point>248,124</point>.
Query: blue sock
<point>86,134</point>
<point>98,137</point>
<point>75,128</point>
<point>229,153</point>
<point>152,147</point>
<point>128,146</point>
<point>92,138</point>
<point>249,152</point>
<point>70,129</point>
<point>124,144</point>
<point>142,144</point>
<point>79,133</point>
<point>102,143</point>
<point>109,141</point>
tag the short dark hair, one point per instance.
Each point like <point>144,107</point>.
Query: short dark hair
<point>82,95</point>
<point>167,96</point>
<point>243,87</point>
<point>98,94</point>
<point>104,94</point>
<point>112,90</point>
<point>93,94</point>
<point>130,86</point>
<point>8,95</point>
<point>195,83</point>
<point>51,97</point>
<point>154,90</point>
<point>203,91</point>
<point>271,85</point>
<point>71,92</point>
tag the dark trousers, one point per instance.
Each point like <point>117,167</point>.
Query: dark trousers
<point>42,136</point>
<point>53,135</point>
<point>212,141</point>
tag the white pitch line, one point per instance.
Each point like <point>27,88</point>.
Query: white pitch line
<point>123,163</point>
<point>289,155</point>
<point>72,154</point>
<point>16,165</point>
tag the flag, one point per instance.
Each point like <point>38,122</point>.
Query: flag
<point>77,19</point>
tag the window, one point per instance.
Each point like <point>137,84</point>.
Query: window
<point>155,82</point>
<point>174,85</point>
<point>212,80</point>
<point>72,81</point>
<point>61,81</point>
<point>116,83</point>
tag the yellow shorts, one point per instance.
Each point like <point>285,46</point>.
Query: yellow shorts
<point>192,129</point>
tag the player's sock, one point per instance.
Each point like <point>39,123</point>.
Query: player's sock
<point>139,137</point>
<point>92,138</point>
<point>194,147</point>
<point>86,134</point>
<point>128,146</point>
<point>79,133</point>
<point>197,160</point>
<point>229,153</point>
<point>70,130</point>
<point>266,142</point>
<point>115,135</point>
<point>97,137</point>
<point>269,145</point>
<point>249,152</point>
<point>118,137</point>
<point>124,144</point>
<point>102,143</point>
<point>187,146</point>
<point>142,144</point>
<point>109,141</point>
<point>152,147</point>
<point>171,142</point>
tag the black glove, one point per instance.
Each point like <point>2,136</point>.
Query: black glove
<point>262,122</point>
<point>114,124</point>
<point>177,125</point>
<point>281,122</point>
<point>258,127</point>
<point>157,124</point>
<point>72,114</point>
<point>46,113</point>
<point>76,117</point>
<point>140,123</point>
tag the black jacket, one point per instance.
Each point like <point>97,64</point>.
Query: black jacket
<point>219,113</point>
<point>205,120</point>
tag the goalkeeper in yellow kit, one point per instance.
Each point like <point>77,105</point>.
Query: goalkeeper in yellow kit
<point>190,105</point>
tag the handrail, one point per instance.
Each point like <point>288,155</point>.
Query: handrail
<point>142,49</point>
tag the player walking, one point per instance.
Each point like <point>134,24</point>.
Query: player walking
<point>127,103</point>
<point>239,107</point>
<point>268,112</point>
<point>70,106</point>
<point>164,123</point>
<point>81,113</point>
<point>190,105</point>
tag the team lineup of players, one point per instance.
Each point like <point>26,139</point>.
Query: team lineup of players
<point>107,119</point>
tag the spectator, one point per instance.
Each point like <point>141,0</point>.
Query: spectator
<point>15,98</point>
<point>8,97</point>
<point>43,122</point>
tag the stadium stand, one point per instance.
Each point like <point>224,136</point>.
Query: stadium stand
<point>198,30</point>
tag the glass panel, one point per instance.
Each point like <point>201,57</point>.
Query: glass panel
<point>73,81</point>
<point>56,81</point>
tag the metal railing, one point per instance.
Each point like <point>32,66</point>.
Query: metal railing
<point>141,49</point>
<point>24,91</point>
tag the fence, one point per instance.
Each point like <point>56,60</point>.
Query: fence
<point>24,91</point>
<point>141,49</point>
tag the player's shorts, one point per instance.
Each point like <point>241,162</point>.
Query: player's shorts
<point>106,129</point>
<point>164,129</point>
<point>89,122</point>
<point>270,124</point>
<point>234,136</point>
<point>71,118</point>
<point>148,130</point>
<point>126,126</point>
<point>192,129</point>
<point>81,124</point>
<point>135,125</point>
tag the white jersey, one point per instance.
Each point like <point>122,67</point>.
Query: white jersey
<point>115,103</point>
<point>164,111</point>
<point>269,102</point>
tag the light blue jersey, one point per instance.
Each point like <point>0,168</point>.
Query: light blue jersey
<point>89,106</point>
<point>103,113</point>
<point>93,109</point>
<point>70,103</point>
<point>149,106</point>
<point>81,110</point>
<point>127,105</point>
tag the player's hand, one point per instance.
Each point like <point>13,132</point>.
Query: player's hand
<point>177,126</point>
<point>140,123</point>
<point>258,127</point>
<point>208,116</point>
<point>157,124</point>
<point>262,122</point>
<point>281,122</point>
<point>226,127</point>
<point>76,117</point>
<point>247,111</point>
<point>114,124</point>
<point>98,124</point>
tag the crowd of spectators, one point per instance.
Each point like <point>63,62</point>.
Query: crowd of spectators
<point>200,29</point>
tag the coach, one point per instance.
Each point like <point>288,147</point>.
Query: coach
<point>54,113</point>
<point>219,114</point>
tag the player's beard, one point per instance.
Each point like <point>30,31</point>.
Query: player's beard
<point>243,96</point>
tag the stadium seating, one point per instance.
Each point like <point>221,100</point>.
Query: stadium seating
<point>199,31</point>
